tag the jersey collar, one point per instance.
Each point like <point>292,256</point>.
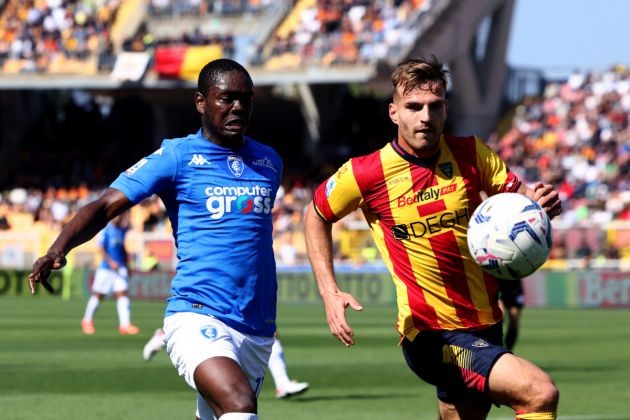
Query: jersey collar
<point>424,162</point>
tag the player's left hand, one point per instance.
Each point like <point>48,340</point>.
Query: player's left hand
<point>335,304</point>
<point>548,198</point>
<point>53,260</point>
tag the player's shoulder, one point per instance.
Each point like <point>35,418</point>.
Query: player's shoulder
<point>261,148</point>
<point>370,158</point>
<point>370,166</point>
<point>470,140</point>
<point>465,147</point>
<point>179,143</point>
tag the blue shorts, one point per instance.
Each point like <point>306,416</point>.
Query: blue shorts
<point>457,362</point>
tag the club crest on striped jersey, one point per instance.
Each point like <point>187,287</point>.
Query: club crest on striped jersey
<point>447,169</point>
<point>235,165</point>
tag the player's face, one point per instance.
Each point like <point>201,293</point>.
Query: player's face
<point>420,116</point>
<point>227,109</point>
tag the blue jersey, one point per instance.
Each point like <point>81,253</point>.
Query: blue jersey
<point>219,202</point>
<point>112,240</point>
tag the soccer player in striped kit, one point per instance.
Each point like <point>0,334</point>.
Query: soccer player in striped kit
<point>417,193</point>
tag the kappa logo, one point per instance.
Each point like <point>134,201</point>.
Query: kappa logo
<point>235,164</point>
<point>480,343</point>
<point>209,331</point>
<point>198,160</point>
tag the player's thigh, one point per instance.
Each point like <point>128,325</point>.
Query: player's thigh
<point>193,338</point>
<point>458,363</point>
<point>517,382</point>
<point>103,281</point>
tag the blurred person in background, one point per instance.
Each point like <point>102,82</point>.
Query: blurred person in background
<point>512,300</point>
<point>417,194</point>
<point>285,387</point>
<point>218,187</point>
<point>112,275</point>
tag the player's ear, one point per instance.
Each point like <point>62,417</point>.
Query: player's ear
<point>393,113</point>
<point>200,102</point>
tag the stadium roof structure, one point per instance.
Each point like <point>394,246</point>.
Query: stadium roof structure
<point>261,77</point>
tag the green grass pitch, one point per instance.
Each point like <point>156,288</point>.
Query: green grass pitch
<point>50,370</point>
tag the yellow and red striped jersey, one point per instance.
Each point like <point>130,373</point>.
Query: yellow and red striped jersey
<point>418,212</point>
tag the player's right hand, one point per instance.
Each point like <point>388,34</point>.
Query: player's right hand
<point>335,304</point>
<point>53,260</point>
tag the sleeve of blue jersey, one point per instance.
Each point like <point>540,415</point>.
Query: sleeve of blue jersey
<point>149,175</point>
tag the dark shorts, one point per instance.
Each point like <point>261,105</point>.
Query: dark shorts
<point>457,362</point>
<point>511,293</point>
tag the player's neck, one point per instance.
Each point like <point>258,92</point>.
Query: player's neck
<point>229,143</point>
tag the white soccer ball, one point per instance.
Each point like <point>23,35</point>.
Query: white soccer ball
<point>509,236</point>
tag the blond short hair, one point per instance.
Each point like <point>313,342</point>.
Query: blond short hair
<point>419,73</point>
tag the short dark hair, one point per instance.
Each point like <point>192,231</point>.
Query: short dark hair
<point>209,75</point>
<point>416,73</point>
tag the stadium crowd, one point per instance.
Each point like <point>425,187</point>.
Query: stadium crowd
<point>336,32</point>
<point>75,36</point>
<point>54,36</point>
<point>172,8</point>
<point>575,136</point>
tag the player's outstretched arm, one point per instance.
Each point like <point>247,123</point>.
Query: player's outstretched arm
<point>88,221</point>
<point>546,196</point>
<point>318,235</point>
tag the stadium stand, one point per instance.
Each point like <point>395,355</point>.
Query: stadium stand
<point>77,37</point>
<point>331,32</point>
<point>584,120</point>
<point>58,37</point>
<point>576,136</point>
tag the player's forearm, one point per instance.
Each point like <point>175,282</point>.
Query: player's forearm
<point>318,236</point>
<point>88,221</point>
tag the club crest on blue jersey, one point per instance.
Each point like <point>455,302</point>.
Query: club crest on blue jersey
<point>209,331</point>
<point>235,164</point>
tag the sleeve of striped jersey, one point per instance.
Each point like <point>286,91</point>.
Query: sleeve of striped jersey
<point>339,195</point>
<point>496,177</point>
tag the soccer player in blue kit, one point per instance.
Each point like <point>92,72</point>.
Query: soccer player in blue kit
<point>218,187</point>
<point>112,275</point>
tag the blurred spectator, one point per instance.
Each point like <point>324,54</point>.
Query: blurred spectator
<point>58,36</point>
<point>4,221</point>
<point>342,32</point>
